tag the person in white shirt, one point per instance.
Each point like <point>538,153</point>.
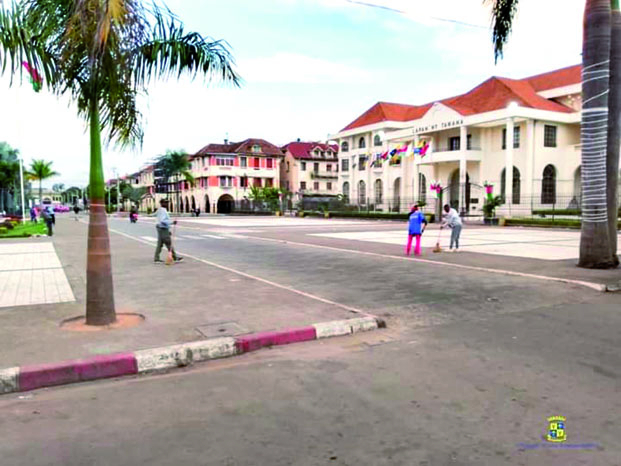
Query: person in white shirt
<point>452,220</point>
<point>163,233</point>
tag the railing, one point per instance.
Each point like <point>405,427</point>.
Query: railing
<point>324,175</point>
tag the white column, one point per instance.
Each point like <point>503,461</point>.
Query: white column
<point>530,158</point>
<point>463,142</point>
<point>416,171</point>
<point>509,166</point>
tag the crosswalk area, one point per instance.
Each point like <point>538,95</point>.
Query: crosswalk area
<point>223,236</point>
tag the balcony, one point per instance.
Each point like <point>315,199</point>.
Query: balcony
<point>324,175</point>
<point>443,154</point>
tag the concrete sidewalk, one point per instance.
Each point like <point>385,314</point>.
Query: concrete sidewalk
<point>182,303</point>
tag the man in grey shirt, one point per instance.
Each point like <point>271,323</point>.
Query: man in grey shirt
<point>163,232</point>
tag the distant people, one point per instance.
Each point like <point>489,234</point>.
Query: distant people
<point>453,221</point>
<point>163,233</point>
<point>416,227</point>
<point>133,214</point>
<point>76,211</point>
<point>197,211</point>
<point>33,214</point>
<point>49,222</point>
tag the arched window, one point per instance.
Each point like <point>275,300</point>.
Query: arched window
<point>422,187</point>
<point>377,141</point>
<point>548,185</point>
<point>361,143</point>
<point>378,191</point>
<point>346,190</point>
<point>516,185</point>
<point>344,146</point>
<point>362,193</point>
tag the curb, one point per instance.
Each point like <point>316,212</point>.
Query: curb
<point>31,377</point>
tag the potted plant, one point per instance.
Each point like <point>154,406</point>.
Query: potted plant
<point>489,210</point>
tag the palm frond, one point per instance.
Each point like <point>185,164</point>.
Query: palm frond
<point>503,14</point>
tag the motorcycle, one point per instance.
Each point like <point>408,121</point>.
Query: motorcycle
<point>133,218</point>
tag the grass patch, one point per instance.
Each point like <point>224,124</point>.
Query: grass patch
<point>23,231</point>
<point>546,222</point>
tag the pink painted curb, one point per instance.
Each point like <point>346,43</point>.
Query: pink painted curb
<point>260,340</point>
<point>24,378</point>
<point>97,367</point>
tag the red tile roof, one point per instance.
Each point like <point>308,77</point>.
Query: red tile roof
<point>302,150</point>
<point>493,94</point>
<point>243,147</point>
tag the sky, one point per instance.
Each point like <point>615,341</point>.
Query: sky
<point>309,68</point>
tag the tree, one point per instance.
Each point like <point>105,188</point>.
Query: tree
<point>134,195</point>
<point>601,73</point>
<point>40,170</point>
<point>9,174</point>
<point>174,165</point>
<point>104,53</point>
<point>58,187</point>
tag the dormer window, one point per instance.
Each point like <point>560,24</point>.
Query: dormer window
<point>256,148</point>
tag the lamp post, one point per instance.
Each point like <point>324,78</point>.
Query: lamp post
<point>21,182</point>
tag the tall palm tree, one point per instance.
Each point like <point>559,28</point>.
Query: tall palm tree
<point>40,170</point>
<point>174,165</point>
<point>600,148</point>
<point>9,172</point>
<point>104,53</point>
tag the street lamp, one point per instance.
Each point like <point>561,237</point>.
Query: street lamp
<point>21,182</point>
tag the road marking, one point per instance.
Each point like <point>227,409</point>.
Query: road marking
<point>190,237</point>
<point>592,285</point>
<point>254,277</point>
<point>149,238</point>
<point>213,236</point>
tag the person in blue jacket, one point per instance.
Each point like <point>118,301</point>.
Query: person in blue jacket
<point>416,226</point>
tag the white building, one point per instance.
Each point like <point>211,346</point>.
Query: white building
<point>528,127</point>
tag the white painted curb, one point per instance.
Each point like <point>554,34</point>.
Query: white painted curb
<point>9,380</point>
<point>345,327</point>
<point>185,354</point>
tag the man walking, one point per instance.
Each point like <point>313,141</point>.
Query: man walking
<point>452,220</point>
<point>47,217</point>
<point>163,233</point>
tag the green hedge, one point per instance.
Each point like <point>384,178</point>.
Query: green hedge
<point>546,222</point>
<point>367,215</point>
<point>576,212</point>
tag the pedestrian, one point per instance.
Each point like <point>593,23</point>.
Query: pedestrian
<point>47,218</point>
<point>76,211</point>
<point>416,227</point>
<point>33,214</point>
<point>50,210</point>
<point>453,221</point>
<point>163,233</point>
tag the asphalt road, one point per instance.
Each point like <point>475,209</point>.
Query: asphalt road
<point>470,368</point>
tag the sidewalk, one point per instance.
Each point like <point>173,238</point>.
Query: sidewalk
<point>182,303</point>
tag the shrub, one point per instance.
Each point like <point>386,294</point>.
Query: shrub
<point>3,231</point>
<point>8,224</point>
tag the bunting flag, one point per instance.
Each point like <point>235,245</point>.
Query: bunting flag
<point>403,148</point>
<point>35,78</point>
<point>421,148</point>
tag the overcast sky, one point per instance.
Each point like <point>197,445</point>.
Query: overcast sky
<point>309,67</point>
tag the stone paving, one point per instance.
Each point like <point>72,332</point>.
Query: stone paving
<point>30,273</point>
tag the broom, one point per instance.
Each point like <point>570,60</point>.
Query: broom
<point>438,248</point>
<point>170,259</point>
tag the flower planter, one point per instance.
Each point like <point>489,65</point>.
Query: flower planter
<point>490,221</point>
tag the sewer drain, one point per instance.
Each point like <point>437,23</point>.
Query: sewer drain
<point>221,329</point>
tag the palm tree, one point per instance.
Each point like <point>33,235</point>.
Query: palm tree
<point>104,53</point>
<point>40,170</point>
<point>174,165</point>
<point>600,149</point>
<point>9,172</point>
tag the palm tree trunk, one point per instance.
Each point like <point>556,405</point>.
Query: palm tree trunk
<point>99,285</point>
<point>614,128</point>
<point>594,238</point>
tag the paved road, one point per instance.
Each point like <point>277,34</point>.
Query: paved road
<point>471,365</point>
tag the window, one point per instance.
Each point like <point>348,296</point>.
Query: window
<point>303,166</point>
<point>243,181</point>
<point>225,161</point>
<point>269,163</point>
<point>362,162</point>
<point>362,193</point>
<point>323,154</point>
<point>548,184</point>
<point>329,186</point>
<point>344,165</point>
<point>287,166</point>
<point>346,190</point>
<point>256,148</point>
<point>226,181</point>
<point>378,191</point>
<point>243,162</point>
<point>453,143</point>
<point>257,182</point>
<point>516,138</point>
<point>516,185</point>
<point>316,185</point>
<point>269,182</point>
<point>257,162</point>
<point>377,141</point>
<point>422,187</point>
<point>469,142</point>
<point>328,167</point>
<point>344,146</point>
<point>549,136</point>
<point>303,185</point>
<point>361,143</point>
<point>316,167</point>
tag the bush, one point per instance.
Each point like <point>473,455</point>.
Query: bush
<point>8,225</point>
<point>3,231</point>
<point>379,215</point>
<point>546,222</point>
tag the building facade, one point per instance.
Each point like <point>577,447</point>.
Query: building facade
<point>392,154</point>
<point>310,169</point>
